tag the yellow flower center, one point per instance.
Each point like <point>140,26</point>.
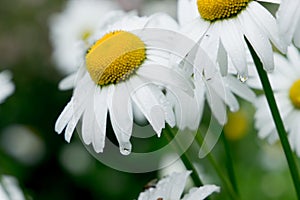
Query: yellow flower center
<point>220,9</point>
<point>114,57</point>
<point>295,94</point>
<point>237,125</point>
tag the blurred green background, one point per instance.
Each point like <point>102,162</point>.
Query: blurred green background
<point>49,168</point>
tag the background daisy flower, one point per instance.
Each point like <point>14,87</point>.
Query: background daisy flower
<point>6,86</point>
<point>71,29</point>
<point>122,71</point>
<point>172,187</point>
<point>288,18</point>
<point>285,81</point>
<point>221,27</point>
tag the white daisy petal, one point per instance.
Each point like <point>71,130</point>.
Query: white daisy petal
<point>172,186</point>
<point>64,117</point>
<point>100,106</point>
<point>222,60</point>
<point>186,110</point>
<point>68,82</point>
<point>258,40</point>
<point>164,75</point>
<point>202,192</point>
<point>216,105</point>
<point>6,86</point>
<point>148,103</point>
<point>120,111</point>
<point>87,125</point>
<point>200,96</point>
<point>267,23</point>
<point>288,16</point>
<point>10,189</point>
<point>297,34</point>
<point>240,89</point>
<point>233,42</point>
<point>210,41</point>
<point>187,11</point>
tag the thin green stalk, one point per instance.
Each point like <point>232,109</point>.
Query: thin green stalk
<point>184,157</point>
<point>227,184</point>
<point>229,164</point>
<point>277,119</point>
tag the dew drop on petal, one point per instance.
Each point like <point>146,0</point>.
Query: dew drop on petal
<point>125,148</point>
<point>242,78</point>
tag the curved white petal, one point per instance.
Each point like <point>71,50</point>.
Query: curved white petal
<point>267,23</point>
<point>240,88</point>
<point>68,82</point>
<point>288,16</point>
<point>87,128</point>
<point>186,110</point>
<point>100,112</point>
<point>233,41</point>
<point>216,105</point>
<point>186,11</point>
<point>148,103</point>
<point>64,117</point>
<point>258,40</point>
<point>165,76</point>
<point>120,111</point>
<point>201,193</point>
<point>222,59</point>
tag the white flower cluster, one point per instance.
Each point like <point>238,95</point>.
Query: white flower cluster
<point>156,70</point>
<point>153,69</point>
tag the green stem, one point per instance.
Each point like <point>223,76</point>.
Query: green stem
<point>229,164</point>
<point>184,157</point>
<point>227,184</point>
<point>277,119</point>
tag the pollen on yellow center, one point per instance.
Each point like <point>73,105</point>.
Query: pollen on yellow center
<point>295,94</point>
<point>220,9</point>
<point>114,57</point>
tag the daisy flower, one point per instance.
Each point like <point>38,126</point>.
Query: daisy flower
<point>172,187</point>
<point>285,81</point>
<point>288,18</point>
<point>6,86</point>
<point>123,74</point>
<point>71,29</point>
<point>221,26</point>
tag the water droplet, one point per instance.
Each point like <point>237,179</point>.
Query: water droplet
<point>242,78</point>
<point>125,148</point>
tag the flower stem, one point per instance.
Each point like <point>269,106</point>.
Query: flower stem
<point>184,157</point>
<point>224,179</point>
<point>277,119</point>
<point>229,163</point>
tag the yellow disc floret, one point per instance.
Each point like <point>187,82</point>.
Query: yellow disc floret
<point>114,57</point>
<point>220,9</point>
<point>295,94</point>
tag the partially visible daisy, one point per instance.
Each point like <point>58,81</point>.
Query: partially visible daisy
<point>9,189</point>
<point>172,188</point>
<point>71,29</point>
<point>285,81</point>
<point>288,17</point>
<point>221,26</point>
<point>124,70</point>
<point>6,86</point>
